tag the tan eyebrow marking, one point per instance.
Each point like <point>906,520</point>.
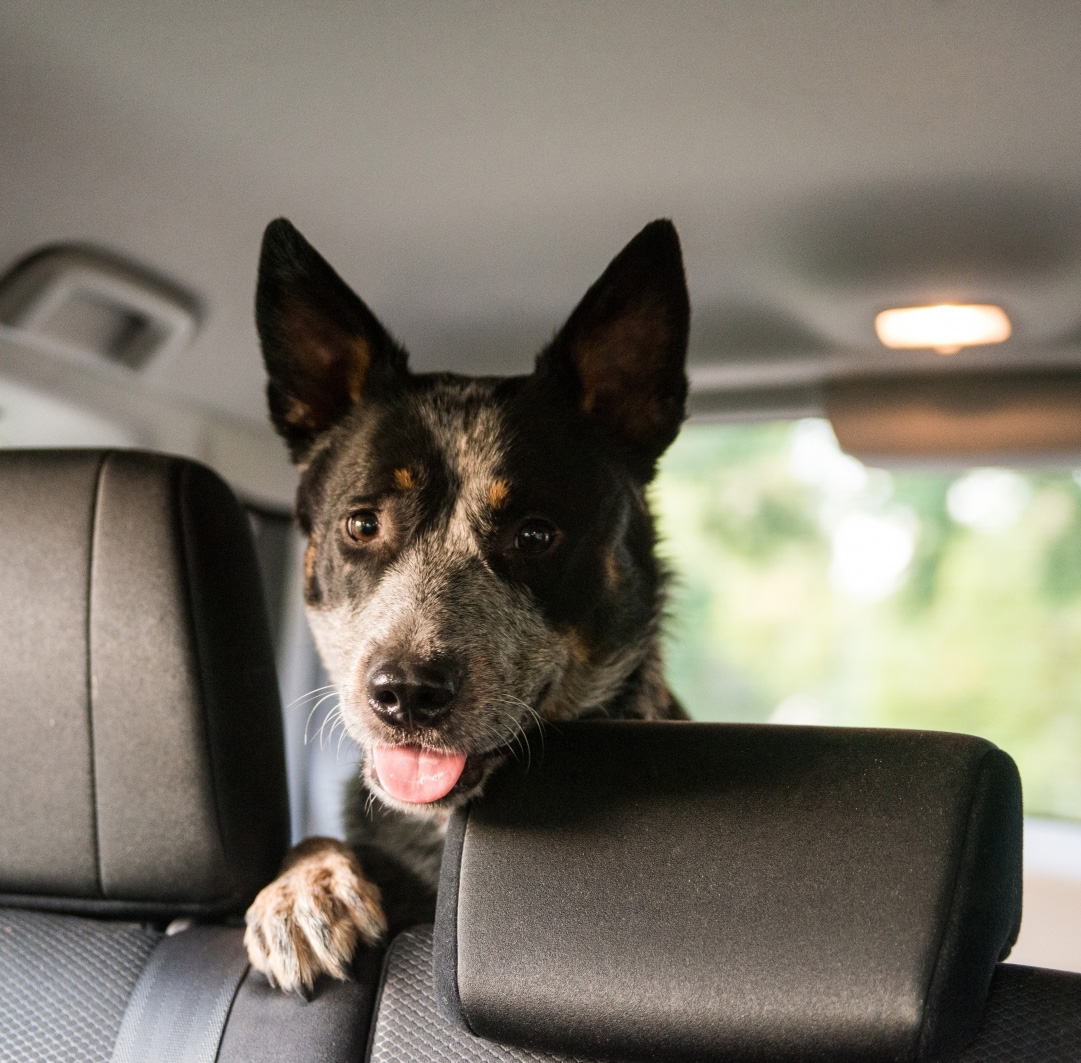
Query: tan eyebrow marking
<point>403,480</point>
<point>300,414</point>
<point>498,493</point>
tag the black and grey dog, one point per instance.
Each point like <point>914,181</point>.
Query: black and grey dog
<point>480,562</point>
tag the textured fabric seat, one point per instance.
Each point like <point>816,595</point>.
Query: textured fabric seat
<point>1031,1016</point>
<point>66,983</point>
<point>141,772</point>
<point>723,892</point>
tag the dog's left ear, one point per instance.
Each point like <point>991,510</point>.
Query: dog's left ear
<point>322,346</point>
<point>621,353</point>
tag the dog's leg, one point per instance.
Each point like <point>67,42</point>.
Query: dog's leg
<point>309,920</point>
<point>401,854</point>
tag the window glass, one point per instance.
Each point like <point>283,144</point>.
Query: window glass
<point>811,588</point>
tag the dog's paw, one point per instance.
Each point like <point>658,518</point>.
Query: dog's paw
<point>308,921</point>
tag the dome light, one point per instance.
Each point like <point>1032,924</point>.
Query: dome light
<point>947,328</point>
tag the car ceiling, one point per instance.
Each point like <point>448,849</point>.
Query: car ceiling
<point>471,167</point>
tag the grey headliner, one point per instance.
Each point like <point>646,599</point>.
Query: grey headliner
<point>470,167</point>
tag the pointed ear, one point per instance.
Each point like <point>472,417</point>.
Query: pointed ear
<point>622,352</point>
<point>323,348</point>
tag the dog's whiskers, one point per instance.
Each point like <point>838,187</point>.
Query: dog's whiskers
<point>520,734</point>
<point>342,737</point>
<point>314,708</point>
<point>333,717</point>
<point>309,695</point>
<point>532,714</point>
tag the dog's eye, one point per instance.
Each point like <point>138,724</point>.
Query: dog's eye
<point>362,526</point>
<point>535,537</point>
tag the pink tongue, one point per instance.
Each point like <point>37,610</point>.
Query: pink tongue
<point>410,773</point>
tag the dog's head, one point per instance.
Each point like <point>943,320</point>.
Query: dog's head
<point>480,551</point>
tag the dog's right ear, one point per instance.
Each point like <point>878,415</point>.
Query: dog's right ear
<point>322,346</point>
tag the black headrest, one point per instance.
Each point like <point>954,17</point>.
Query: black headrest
<point>141,762</point>
<point>709,891</point>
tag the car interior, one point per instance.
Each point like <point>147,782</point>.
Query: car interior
<point>867,843</point>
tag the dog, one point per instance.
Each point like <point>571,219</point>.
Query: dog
<point>480,563</point>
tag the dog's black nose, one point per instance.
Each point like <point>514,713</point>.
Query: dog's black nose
<point>413,694</point>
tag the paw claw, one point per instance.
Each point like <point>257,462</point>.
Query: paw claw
<point>309,920</point>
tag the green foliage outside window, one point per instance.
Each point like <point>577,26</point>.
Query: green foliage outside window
<point>811,589</point>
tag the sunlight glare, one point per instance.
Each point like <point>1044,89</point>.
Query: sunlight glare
<point>815,458</point>
<point>797,709</point>
<point>987,500</point>
<point>870,555</point>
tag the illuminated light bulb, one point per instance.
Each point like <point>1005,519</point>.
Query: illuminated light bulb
<point>946,328</point>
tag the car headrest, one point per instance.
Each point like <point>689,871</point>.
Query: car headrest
<point>141,759</point>
<point>698,891</point>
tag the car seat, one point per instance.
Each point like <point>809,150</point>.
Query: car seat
<point>142,779</point>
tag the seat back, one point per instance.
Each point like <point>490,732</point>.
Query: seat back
<point>142,775</point>
<point>142,768</point>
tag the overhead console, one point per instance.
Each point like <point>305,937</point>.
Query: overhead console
<point>987,416</point>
